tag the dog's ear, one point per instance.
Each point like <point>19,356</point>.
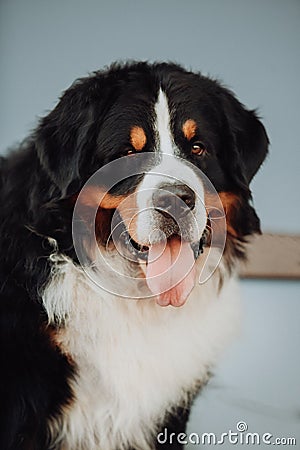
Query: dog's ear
<point>248,134</point>
<point>247,143</point>
<point>68,134</point>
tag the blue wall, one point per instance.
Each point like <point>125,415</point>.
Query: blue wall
<point>253,46</point>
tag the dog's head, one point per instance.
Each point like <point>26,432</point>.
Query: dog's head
<point>170,125</point>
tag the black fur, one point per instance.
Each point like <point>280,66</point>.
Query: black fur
<point>175,423</point>
<point>88,128</point>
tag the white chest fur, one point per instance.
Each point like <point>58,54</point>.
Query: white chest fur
<point>135,359</point>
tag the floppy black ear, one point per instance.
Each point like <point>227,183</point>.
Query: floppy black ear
<point>249,135</point>
<point>68,132</point>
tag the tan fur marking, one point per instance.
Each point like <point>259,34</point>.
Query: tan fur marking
<point>230,203</point>
<point>189,129</point>
<point>95,196</point>
<point>129,212</point>
<point>138,138</point>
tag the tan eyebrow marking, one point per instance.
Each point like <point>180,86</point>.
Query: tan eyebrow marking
<point>189,128</point>
<point>138,137</point>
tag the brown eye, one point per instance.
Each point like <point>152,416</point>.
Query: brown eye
<point>198,148</point>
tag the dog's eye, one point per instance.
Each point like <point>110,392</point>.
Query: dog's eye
<point>198,148</point>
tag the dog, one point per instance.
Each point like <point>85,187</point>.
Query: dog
<point>110,212</point>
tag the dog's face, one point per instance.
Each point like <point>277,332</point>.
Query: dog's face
<point>171,126</point>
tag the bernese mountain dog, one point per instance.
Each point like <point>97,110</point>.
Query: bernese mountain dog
<point>123,216</point>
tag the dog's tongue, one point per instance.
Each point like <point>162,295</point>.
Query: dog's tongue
<point>170,271</point>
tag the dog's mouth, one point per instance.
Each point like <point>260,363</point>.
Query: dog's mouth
<point>168,266</point>
<point>141,252</point>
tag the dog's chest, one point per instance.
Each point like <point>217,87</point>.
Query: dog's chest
<point>134,361</point>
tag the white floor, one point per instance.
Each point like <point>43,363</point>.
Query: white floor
<point>258,380</point>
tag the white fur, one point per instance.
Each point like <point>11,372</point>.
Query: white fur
<point>135,359</point>
<point>165,142</point>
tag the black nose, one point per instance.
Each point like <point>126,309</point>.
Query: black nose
<point>174,200</point>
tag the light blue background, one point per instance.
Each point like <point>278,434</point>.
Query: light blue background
<point>253,46</point>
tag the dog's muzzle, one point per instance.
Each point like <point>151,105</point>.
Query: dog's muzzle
<point>169,254</point>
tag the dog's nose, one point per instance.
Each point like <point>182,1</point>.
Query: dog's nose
<point>174,200</point>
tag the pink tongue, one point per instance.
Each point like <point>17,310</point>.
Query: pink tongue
<point>170,271</point>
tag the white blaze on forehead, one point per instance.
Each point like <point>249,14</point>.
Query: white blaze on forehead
<point>165,141</point>
<point>170,169</point>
